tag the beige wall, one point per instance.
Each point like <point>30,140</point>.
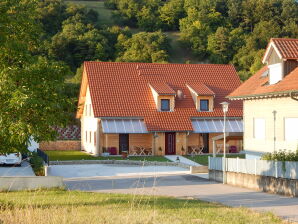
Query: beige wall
<point>263,108</point>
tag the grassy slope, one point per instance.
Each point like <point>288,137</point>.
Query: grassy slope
<point>203,159</point>
<point>59,206</point>
<point>178,54</point>
<point>78,155</point>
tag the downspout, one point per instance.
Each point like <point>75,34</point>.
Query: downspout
<point>274,130</point>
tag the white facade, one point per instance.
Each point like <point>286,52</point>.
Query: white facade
<point>89,128</point>
<point>260,128</point>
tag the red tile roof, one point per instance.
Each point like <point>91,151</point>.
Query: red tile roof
<point>201,89</point>
<point>288,48</point>
<point>257,85</point>
<point>162,88</point>
<point>121,90</point>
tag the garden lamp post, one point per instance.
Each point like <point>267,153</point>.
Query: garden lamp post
<point>225,108</point>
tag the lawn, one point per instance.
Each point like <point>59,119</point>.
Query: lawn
<point>59,206</point>
<point>79,155</point>
<point>203,159</point>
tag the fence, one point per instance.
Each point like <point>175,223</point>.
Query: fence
<point>44,156</point>
<point>287,170</point>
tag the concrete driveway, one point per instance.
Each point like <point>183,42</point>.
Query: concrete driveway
<point>190,186</point>
<point>24,170</point>
<point>111,170</point>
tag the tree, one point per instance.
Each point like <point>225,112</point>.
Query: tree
<point>171,13</point>
<point>219,46</point>
<point>144,47</point>
<point>31,87</point>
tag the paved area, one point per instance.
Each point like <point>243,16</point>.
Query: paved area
<point>108,170</point>
<point>182,159</point>
<point>24,170</point>
<point>190,186</point>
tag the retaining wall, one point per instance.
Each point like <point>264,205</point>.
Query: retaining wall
<point>274,185</point>
<point>61,145</point>
<point>123,162</point>
<point>30,183</point>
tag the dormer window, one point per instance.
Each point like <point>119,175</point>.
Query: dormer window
<point>204,105</point>
<point>163,95</point>
<point>202,96</point>
<point>165,105</point>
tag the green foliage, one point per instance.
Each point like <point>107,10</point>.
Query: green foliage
<point>144,47</point>
<point>31,87</point>
<point>281,155</point>
<point>37,164</point>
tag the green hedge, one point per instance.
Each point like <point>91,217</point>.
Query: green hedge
<point>281,155</point>
<point>37,164</point>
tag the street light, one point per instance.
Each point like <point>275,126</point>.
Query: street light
<point>225,108</point>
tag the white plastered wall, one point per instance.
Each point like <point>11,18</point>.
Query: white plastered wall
<point>89,128</point>
<point>263,108</point>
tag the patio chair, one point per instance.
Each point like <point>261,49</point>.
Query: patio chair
<point>148,151</point>
<point>134,151</point>
<point>233,149</point>
<point>112,150</point>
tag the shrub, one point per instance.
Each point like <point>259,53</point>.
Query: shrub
<point>281,155</point>
<point>37,164</point>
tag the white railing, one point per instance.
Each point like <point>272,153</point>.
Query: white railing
<point>288,170</point>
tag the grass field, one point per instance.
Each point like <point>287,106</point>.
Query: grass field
<point>203,159</point>
<point>78,155</point>
<point>58,206</point>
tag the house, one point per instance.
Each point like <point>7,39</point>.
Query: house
<point>157,109</point>
<point>270,101</point>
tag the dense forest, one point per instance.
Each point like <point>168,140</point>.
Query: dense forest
<point>215,31</point>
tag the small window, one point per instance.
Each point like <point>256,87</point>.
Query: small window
<point>86,136</point>
<point>90,110</point>
<point>165,105</point>
<point>259,128</point>
<point>95,138</point>
<point>204,105</point>
<point>85,109</point>
<point>89,136</point>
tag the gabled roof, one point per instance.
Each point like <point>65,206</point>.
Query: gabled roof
<point>162,88</point>
<point>284,47</point>
<point>119,90</point>
<point>201,89</point>
<point>257,86</point>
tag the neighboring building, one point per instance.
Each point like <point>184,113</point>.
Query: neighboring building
<point>270,108</point>
<point>160,108</point>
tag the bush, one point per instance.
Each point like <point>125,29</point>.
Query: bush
<point>281,155</point>
<point>37,164</point>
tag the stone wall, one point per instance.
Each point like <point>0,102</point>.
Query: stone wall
<point>260,183</point>
<point>61,145</point>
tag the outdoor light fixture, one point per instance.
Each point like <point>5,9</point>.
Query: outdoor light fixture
<point>225,108</point>
<point>177,159</point>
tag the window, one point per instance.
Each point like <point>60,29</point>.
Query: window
<point>259,128</point>
<point>95,138</point>
<point>204,105</point>
<point>165,105</point>
<point>85,109</point>
<point>89,136</point>
<point>86,136</point>
<point>291,125</point>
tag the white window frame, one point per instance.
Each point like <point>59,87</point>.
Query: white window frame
<point>263,136</point>
<point>285,128</point>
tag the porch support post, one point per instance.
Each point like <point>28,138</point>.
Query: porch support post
<point>214,148</point>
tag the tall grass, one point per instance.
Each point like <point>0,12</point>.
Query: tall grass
<point>58,206</point>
